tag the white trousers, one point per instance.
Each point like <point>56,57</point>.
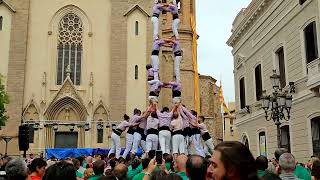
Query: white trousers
<point>177,61</point>
<point>155,83</point>
<point>165,140</point>
<point>175,27</point>
<point>152,142</point>
<point>115,145</point>
<point>196,138</point>
<point>178,144</point>
<point>208,147</point>
<point>129,141</point>
<point>136,142</point>
<point>188,142</point>
<point>143,145</point>
<point>155,65</point>
<point>155,22</point>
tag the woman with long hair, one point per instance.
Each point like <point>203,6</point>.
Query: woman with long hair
<point>232,160</point>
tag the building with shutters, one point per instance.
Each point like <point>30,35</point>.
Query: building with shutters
<point>281,35</point>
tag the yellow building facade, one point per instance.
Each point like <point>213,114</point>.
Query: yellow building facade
<point>73,67</point>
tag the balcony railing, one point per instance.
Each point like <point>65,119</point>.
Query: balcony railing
<point>313,82</point>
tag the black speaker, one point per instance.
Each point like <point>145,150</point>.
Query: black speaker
<point>23,137</point>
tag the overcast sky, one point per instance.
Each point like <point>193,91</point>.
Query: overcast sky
<point>214,22</point>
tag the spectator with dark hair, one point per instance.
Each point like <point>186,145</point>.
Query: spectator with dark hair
<point>76,164</point>
<point>279,152</point>
<point>145,163</point>
<point>161,175</point>
<point>5,160</point>
<point>168,158</point>
<point>232,160</point>
<point>98,169</point>
<point>315,172</point>
<point>196,163</point>
<point>16,170</point>
<point>180,166</point>
<point>59,171</point>
<point>37,168</point>
<point>108,177</point>
<point>120,172</point>
<point>135,168</point>
<point>262,165</point>
<point>81,168</point>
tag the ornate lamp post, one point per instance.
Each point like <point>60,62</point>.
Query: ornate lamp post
<point>277,106</point>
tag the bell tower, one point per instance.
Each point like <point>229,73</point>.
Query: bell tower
<point>186,11</point>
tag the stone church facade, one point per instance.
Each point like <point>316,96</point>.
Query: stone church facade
<point>76,64</point>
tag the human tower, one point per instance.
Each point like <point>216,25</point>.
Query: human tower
<point>176,131</point>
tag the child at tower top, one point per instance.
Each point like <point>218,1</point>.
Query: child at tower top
<point>156,10</point>
<point>173,8</point>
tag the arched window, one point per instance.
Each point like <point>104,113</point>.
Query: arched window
<point>285,137</point>
<point>258,78</point>
<point>31,134</point>
<point>1,20</point>
<point>100,132</point>
<point>281,67</point>
<point>311,46</point>
<point>315,131</point>
<point>137,28</point>
<point>263,143</point>
<point>245,141</point>
<point>70,37</point>
<point>136,71</point>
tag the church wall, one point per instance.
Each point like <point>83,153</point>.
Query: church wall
<point>5,40</point>
<point>136,88</point>
<point>42,49</point>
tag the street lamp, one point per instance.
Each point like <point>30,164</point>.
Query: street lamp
<point>6,139</point>
<point>277,106</point>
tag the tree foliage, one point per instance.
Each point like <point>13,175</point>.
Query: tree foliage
<point>4,99</point>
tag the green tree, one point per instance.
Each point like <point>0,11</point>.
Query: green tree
<point>4,99</point>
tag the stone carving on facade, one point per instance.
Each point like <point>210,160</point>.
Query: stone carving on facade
<point>31,111</point>
<point>101,112</point>
<point>67,95</point>
<point>43,88</point>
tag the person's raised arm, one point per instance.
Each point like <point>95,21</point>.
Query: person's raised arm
<point>188,113</point>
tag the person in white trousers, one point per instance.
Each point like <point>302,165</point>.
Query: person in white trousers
<point>173,8</point>
<point>178,143</point>
<point>139,131</point>
<point>152,132</point>
<point>208,143</point>
<point>176,49</point>
<point>157,44</point>
<point>196,137</point>
<point>116,133</point>
<point>164,128</point>
<point>129,136</point>
<point>156,10</point>
<point>187,131</point>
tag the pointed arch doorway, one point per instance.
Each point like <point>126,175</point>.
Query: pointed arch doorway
<point>66,112</point>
